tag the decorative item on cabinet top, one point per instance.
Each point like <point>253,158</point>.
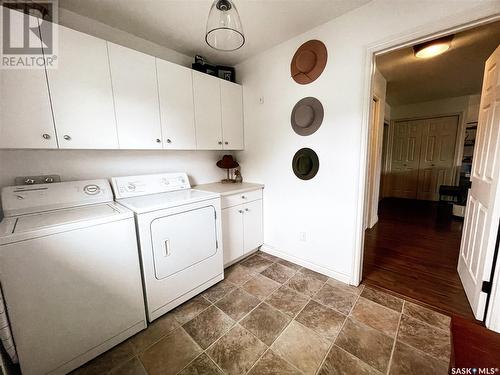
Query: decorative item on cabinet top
<point>308,62</point>
<point>224,72</point>
<point>307,116</point>
<point>188,121</point>
<point>305,164</point>
<point>227,162</point>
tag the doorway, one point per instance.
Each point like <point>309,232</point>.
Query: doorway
<point>413,247</point>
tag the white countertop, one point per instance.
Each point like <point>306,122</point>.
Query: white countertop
<point>228,189</point>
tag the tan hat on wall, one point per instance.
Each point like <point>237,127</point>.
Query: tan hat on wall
<point>308,62</point>
<point>307,116</point>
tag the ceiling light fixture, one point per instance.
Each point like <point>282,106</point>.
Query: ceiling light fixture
<point>432,48</point>
<point>224,30</point>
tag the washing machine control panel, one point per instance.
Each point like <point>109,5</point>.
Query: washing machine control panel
<point>133,186</point>
<point>25,199</point>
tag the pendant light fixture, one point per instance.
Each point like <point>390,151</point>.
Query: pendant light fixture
<point>432,48</point>
<point>224,31</point>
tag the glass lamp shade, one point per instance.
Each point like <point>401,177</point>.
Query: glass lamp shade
<point>224,30</point>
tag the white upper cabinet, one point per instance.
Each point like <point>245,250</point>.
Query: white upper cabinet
<point>82,97</point>
<point>232,115</point>
<point>175,86</point>
<point>25,114</point>
<point>135,89</point>
<point>105,96</point>
<point>207,111</point>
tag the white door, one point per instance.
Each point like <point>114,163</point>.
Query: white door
<point>175,87</point>
<point>25,113</point>
<point>80,88</point>
<point>405,158</point>
<point>483,202</point>
<point>232,115</point>
<point>232,233</point>
<point>253,231</point>
<point>207,111</point>
<point>135,90</point>
<point>439,136</point>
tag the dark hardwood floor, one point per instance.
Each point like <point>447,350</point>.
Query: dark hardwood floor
<point>413,251</point>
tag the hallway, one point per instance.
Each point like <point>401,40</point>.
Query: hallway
<point>413,251</point>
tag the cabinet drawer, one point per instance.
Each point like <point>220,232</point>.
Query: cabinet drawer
<point>235,199</point>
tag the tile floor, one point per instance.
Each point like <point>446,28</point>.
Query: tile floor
<point>270,316</point>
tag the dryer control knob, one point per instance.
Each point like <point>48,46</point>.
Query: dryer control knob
<point>91,189</point>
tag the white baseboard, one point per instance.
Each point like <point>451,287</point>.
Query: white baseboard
<point>304,263</point>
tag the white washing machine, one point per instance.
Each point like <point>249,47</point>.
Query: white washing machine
<point>70,273</point>
<point>179,232</point>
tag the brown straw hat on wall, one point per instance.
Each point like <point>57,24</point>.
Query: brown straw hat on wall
<point>308,62</point>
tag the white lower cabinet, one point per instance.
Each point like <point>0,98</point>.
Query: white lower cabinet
<point>242,230</point>
<point>253,232</point>
<point>232,233</point>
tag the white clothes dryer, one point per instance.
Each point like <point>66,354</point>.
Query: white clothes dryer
<point>179,232</point>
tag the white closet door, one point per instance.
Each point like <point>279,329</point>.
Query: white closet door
<point>25,113</point>
<point>232,115</point>
<point>437,156</point>
<point>80,88</point>
<point>175,86</point>
<point>405,158</point>
<point>207,111</point>
<point>135,90</point>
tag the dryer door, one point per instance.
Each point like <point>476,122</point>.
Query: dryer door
<point>183,239</point>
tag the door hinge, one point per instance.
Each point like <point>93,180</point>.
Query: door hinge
<point>486,287</point>
<point>216,244</point>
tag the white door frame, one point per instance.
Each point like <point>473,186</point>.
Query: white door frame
<point>470,19</point>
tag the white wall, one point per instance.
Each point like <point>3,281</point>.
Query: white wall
<point>90,164</point>
<point>431,108</point>
<point>387,112</point>
<point>326,207</point>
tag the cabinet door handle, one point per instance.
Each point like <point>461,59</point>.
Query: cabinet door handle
<point>246,209</point>
<point>158,140</point>
<point>46,136</point>
<point>243,197</point>
<point>169,140</point>
<point>67,137</point>
<point>220,142</point>
<point>226,143</point>
<point>240,211</point>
